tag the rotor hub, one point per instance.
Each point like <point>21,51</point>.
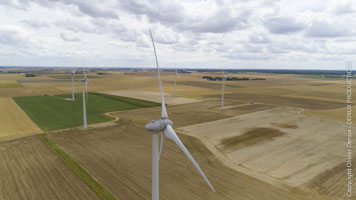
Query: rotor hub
<point>158,125</point>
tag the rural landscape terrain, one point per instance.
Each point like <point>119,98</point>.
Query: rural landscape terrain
<point>280,136</point>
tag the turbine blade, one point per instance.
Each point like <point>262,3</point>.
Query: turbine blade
<point>164,111</point>
<point>169,132</point>
<point>161,147</point>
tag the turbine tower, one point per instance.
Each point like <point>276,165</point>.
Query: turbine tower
<point>73,77</point>
<point>223,88</point>
<point>164,125</point>
<point>86,85</point>
<point>85,80</point>
<point>175,82</point>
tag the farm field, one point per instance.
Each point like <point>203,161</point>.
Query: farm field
<point>227,144</point>
<point>14,121</point>
<point>263,147</point>
<point>152,96</point>
<point>9,84</point>
<point>111,154</point>
<point>29,170</point>
<point>59,111</point>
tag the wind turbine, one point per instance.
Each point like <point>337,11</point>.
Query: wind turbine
<point>175,82</point>
<point>86,84</point>
<point>165,125</point>
<point>73,77</point>
<point>223,88</point>
<point>85,81</point>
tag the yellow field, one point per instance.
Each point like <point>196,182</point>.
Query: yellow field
<point>14,121</point>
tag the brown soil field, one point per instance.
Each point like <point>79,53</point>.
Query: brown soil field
<point>30,171</point>
<point>152,96</point>
<point>287,157</point>
<point>324,183</point>
<point>248,150</point>
<point>284,101</point>
<point>14,121</point>
<point>338,114</point>
<point>120,158</point>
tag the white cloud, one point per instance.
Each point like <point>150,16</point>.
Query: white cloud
<point>202,33</point>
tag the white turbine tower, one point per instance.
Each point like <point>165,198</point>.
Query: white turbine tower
<point>223,88</point>
<point>165,125</point>
<point>175,82</point>
<point>73,77</point>
<point>85,80</point>
<point>86,85</point>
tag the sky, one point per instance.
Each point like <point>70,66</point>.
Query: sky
<point>239,34</point>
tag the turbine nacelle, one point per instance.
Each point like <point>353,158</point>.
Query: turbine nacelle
<point>158,125</point>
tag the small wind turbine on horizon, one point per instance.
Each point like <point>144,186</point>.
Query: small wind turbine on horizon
<point>223,88</point>
<point>164,125</point>
<point>85,81</point>
<point>73,77</point>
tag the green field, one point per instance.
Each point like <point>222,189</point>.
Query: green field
<point>57,112</point>
<point>5,85</point>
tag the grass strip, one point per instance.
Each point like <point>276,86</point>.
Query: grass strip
<point>100,191</point>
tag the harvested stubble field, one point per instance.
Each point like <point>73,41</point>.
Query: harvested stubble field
<point>285,101</point>
<point>280,146</point>
<point>152,96</point>
<point>119,156</point>
<point>14,121</point>
<point>59,112</point>
<point>29,170</point>
<point>9,84</point>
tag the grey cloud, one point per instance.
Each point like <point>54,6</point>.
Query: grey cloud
<point>69,38</point>
<point>87,7</point>
<point>36,23</point>
<point>92,9</point>
<point>77,26</point>
<point>220,22</point>
<point>19,4</point>
<point>259,38</point>
<point>324,29</point>
<point>171,14</point>
<point>165,12</point>
<point>343,8</point>
<point>13,36</point>
<point>283,25</point>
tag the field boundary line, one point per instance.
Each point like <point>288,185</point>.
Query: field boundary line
<point>100,191</point>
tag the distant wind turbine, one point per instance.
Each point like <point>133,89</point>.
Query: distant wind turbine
<point>165,125</point>
<point>73,77</point>
<point>85,80</point>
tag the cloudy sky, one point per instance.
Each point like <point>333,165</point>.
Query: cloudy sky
<point>298,34</point>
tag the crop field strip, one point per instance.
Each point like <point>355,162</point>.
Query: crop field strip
<point>101,192</point>
<point>53,113</point>
<point>14,121</point>
<point>30,171</point>
<point>111,154</point>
